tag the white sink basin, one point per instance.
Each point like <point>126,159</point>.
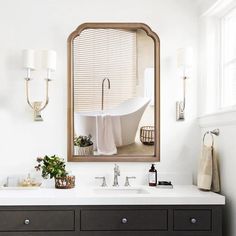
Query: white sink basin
<point>120,190</point>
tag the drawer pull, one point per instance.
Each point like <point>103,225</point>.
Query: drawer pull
<point>124,220</point>
<point>27,222</point>
<point>193,220</point>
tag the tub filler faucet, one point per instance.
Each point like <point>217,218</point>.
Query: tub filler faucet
<point>116,174</point>
<point>109,86</point>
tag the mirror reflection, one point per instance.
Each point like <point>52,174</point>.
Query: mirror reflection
<point>114,93</point>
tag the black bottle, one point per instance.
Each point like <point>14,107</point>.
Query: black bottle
<point>152,176</point>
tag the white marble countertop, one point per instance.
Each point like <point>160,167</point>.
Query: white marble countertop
<point>179,195</point>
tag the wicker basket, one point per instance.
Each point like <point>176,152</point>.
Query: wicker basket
<point>147,135</point>
<point>65,182</point>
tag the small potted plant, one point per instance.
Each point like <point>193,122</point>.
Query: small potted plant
<point>54,167</point>
<point>83,145</point>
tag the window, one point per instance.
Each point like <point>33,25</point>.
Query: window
<point>228,60</point>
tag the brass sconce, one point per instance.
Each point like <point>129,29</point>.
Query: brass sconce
<point>184,62</point>
<point>47,61</point>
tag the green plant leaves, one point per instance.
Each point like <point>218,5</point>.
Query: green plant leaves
<point>52,167</point>
<point>83,141</point>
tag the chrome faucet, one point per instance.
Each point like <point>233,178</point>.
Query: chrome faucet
<point>109,86</point>
<point>116,174</point>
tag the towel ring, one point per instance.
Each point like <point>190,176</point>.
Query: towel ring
<point>212,138</point>
<point>215,132</point>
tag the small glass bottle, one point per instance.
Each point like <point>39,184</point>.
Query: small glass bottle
<point>152,176</point>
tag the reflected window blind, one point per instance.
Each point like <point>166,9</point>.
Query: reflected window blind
<point>100,53</point>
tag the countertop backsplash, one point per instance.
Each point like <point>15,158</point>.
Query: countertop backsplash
<point>85,178</point>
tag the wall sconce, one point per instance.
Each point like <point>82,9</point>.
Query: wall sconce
<point>184,62</point>
<point>47,61</point>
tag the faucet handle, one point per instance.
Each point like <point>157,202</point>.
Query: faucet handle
<point>104,184</point>
<point>127,184</point>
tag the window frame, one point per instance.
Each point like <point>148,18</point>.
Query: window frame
<point>223,64</point>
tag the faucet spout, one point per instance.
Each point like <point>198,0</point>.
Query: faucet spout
<point>109,86</point>
<point>116,174</point>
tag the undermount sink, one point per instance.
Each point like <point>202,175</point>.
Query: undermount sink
<point>120,190</point>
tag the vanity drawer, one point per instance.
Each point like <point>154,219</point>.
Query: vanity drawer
<point>124,220</point>
<point>194,220</point>
<point>35,220</point>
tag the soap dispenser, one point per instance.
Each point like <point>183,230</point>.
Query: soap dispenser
<point>152,176</point>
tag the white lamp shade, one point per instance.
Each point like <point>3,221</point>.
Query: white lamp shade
<point>28,59</point>
<point>49,58</point>
<point>184,57</point>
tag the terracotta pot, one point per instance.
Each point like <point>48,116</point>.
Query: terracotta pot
<point>65,182</point>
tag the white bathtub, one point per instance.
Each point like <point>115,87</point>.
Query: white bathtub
<point>130,113</point>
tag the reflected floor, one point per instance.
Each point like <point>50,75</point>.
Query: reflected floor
<point>136,148</point>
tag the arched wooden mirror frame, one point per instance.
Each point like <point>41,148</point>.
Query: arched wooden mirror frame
<point>70,119</point>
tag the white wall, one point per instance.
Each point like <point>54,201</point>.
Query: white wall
<point>204,5</point>
<point>226,152</point>
<point>46,24</point>
<point>145,59</point>
<point>225,121</point>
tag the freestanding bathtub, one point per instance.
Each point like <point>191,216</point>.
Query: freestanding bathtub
<point>130,113</point>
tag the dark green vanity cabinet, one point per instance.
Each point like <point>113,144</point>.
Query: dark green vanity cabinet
<point>155,220</point>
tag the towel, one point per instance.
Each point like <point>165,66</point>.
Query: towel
<point>215,185</point>
<point>116,128</point>
<point>105,137</point>
<point>208,172</point>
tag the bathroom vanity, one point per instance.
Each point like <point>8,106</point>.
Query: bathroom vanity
<point>182,211</point>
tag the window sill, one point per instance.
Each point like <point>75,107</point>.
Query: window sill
<point>221,118</point>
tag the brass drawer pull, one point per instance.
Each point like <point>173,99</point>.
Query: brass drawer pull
<point>193,220</point>
<point>27,222</point>
<point>124,220</point>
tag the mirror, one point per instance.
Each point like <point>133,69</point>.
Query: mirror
<point>113,93</point>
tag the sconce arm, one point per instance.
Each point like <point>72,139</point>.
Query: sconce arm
<point>28,99</point>
<point>180,106</point>
<point>47,97</point>
<point>27,93</point>
<point>184,94</point>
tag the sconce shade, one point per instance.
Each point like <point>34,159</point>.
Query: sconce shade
<point>184,57</point>
<point>28,59</point>
<point>49,58</point>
